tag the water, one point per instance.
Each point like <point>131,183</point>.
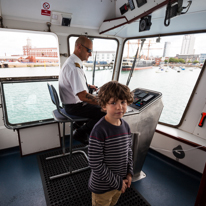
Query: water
<point>29,71</point>
<point>176,88</point>
<point>27,102</point>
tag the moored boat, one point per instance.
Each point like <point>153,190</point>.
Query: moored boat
<point>160,70</point>
<point>140,65</point>
<point>128,68</point>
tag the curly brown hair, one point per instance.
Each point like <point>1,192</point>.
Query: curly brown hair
<point>114,89</point>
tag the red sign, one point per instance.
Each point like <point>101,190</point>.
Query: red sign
<point>46,5</point>
<point>45,12</point>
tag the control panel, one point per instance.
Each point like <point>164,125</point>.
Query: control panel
<point>143,97</point>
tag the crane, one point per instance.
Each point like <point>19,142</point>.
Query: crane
<point>138,42</point>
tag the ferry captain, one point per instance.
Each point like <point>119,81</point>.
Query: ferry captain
<point>74,90</point>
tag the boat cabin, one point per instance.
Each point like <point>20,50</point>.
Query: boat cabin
<point>157,48</point>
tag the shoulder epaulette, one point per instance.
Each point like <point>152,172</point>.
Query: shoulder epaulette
<point>77,65</point>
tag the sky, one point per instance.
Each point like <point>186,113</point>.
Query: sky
<point>12,42</point>
<point>175,47</point>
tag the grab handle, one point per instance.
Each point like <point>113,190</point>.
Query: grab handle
<point>202,119</point>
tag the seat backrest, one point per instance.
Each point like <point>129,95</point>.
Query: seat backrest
<point>56,98</point>
<point>51,93</point>
<point>61,110</point>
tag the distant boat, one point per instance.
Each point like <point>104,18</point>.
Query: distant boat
<point>182,68</point>
<point>141,64</point>
<point>178,69</point>
<point>167,69</point>
<point>160,70</point>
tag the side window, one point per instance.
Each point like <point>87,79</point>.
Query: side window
<point>27,102</point>
<point>28,54</point>
<point>171,66</point>
<point>105,52</point>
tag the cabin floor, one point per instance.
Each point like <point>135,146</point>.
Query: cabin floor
<point>167,183</point>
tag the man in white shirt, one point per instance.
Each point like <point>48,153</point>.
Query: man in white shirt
<point>74,90</point>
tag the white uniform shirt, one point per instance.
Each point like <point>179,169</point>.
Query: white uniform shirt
<point>71,81</point>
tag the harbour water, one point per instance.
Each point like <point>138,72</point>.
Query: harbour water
<point>27,102</point>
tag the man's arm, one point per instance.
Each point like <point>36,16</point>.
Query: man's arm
<point>86,97</point>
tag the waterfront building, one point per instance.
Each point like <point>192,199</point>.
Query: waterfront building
<point>13,58</point>
<point>39,52</point>
<point>107,56</point>
<point>189,57</point>
<point>166,52</point>
<point>188,45</point>
<point>157,61</point>
<point>202,58</point>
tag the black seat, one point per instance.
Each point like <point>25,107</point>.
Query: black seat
<point>61,116</point>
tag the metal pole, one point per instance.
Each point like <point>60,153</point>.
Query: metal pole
<point>93,73</point>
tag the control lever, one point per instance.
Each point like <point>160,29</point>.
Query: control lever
<point>91,90</point>
<point>202,119</point>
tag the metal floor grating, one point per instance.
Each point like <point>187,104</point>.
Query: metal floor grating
<point>73,190</point>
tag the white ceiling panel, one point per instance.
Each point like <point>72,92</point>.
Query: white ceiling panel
<point>194,19</point>
<point>85,13</point>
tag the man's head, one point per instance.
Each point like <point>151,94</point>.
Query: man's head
<point>83,48</point>
<point>116,91</point>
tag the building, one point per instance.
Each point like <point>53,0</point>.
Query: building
<point>39,52</point>
<point>189,57</point>
<point>157,61</point>
<point>46,60</point>
<point>202,58</point>
<point>188,45</point>
<point>107,56</point>
<point>14,58</point>
<point>166,52</point>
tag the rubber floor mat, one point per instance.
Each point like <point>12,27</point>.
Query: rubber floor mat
<point>73,190</point>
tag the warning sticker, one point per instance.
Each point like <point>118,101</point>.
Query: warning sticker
<point>45,12</point>
<point>46,5</point>
<point>46,8</point>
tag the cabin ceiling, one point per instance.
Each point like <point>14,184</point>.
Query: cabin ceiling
<point>92,13</point>
<point>194,19</point>
<point>85,13</point>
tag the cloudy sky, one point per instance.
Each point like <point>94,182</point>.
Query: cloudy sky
<point>175,46</point>
<point>12,42</point>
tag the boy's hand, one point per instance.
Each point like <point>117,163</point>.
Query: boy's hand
<point>129,178</point>
<point>124,185</point>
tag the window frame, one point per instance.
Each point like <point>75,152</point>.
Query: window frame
<point>97,37</point>
<point>7,124</point>
<point>4,79</point>
<point>198,79</point>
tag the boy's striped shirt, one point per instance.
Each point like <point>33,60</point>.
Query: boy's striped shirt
<point>110,156</point>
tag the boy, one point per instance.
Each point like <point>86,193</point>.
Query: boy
<point>110,153</point>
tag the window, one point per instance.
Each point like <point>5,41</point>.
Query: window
<point>22,56</point>
<point>27,102</point>
<point>170,67</point>
<point>103,69</point>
